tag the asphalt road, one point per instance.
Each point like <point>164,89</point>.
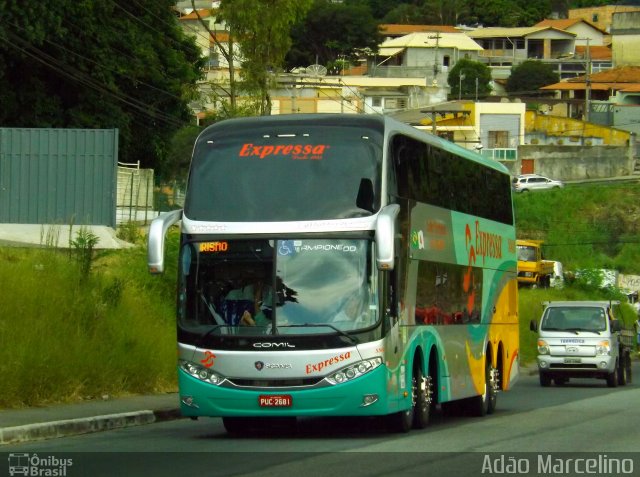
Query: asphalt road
<point>531,424</point>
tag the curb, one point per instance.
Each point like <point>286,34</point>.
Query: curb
<point>84,425</point>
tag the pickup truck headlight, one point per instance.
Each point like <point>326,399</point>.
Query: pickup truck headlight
<point>543,347</point>
<point>603,348</point>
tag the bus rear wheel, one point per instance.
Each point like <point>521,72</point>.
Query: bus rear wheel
<point>423,399</point>
<point>486,402</point>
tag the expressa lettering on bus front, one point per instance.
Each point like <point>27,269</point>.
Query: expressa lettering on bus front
<point>293,151</point>
<point>317,367</point>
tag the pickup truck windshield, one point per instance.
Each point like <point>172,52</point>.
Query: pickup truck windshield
<point>574,319</point>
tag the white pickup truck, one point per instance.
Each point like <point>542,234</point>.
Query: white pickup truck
<point>583,339</point>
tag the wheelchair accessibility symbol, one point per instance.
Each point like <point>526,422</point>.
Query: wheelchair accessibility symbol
<point>286,247</point>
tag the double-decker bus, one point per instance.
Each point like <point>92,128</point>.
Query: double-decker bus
<point>341,265</point>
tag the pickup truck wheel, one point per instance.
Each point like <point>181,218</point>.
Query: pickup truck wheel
<point>545,380</point>
<point>622,370</point>
<point>612,379</point>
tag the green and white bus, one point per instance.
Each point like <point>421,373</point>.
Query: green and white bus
<point>341,265</point>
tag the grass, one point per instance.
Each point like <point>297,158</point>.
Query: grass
<point>69,335</point>
<point>585,226</point>
<point>68,332</point>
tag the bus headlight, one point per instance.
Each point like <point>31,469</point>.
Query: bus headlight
<point>603,348</point>
<point>200,372</point>
<point>543,347</point>
<point>354,370</point>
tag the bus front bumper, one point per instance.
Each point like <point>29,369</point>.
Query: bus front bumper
<point>363,396</point>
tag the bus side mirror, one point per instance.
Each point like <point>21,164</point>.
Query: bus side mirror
<point>155,240</point>
<point>385,237</point>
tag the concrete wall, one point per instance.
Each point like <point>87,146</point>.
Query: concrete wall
<point>570,163</point>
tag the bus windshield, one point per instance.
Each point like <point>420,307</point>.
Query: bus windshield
<point>256,287</point>
<point>285,173</point>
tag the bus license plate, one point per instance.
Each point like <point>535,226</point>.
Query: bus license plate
<point>281,400</point>
<point>572,360</point>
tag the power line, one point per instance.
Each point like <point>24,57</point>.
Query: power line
<point>82,78</point>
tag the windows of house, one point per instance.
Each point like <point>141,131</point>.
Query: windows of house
<point>498,139</point>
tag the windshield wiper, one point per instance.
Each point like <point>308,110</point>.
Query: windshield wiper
<point>337,330</point>
<point>209,333</point>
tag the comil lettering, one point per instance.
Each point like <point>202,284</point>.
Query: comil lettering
<point>296,151</point>
<point>487,244</point>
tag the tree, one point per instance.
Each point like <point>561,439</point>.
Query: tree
<point>462,79</point>
<point>508,13</point>
<point>529,76</point>
<point>333,31</point>
<point>98,64</point>
<point>262,31</point>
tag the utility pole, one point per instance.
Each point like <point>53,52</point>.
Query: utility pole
<point>435,59</point>
<point>476,89</point>
<point>587,89</point>
<point>461,76</point>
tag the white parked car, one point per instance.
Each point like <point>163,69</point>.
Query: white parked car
<point>527,182</point>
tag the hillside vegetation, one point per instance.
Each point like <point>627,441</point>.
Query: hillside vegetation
<point>69,331</point>
<point>585,226</point>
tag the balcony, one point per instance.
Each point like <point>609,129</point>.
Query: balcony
<point>500,154</point>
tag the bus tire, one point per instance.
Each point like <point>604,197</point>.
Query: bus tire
<point>480,405</point>
<point>237,425</point>
<point>423,395</point>
<point>403,421</point>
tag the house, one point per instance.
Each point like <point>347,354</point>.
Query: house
<point>494,129</point>
<point>309,93</point>
<point>391,30</point>
<point>610,97</point>
<point>586,32</point>
<point>513,45</point>
<point>423,55</point>
<point>626,38</point>
<point>602,16</point>
<point>507,47</point>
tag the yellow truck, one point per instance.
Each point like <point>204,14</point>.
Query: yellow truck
<point>532,268</point>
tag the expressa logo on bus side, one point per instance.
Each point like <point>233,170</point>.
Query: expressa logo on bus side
<point>294,151</point>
